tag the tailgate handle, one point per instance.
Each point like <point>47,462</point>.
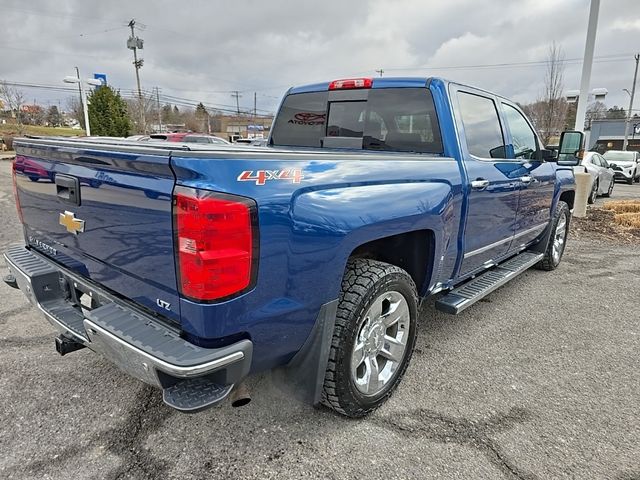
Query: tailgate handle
<point>68,189</point>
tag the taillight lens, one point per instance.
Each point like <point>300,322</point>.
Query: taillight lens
<point>216,243</point>
<point>351,83</point>
<point>14,169</point>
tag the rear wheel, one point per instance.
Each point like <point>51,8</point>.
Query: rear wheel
<point>557,239</point>
<point>594,193</point>
<point>374,337</point>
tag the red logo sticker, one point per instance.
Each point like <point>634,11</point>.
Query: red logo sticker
<point>260,177</point>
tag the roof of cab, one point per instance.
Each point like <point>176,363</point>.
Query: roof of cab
<point>378,82</point>
<point>391,82</point>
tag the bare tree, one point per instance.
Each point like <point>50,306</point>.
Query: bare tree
<point>596,111</point>
<point>14,99</point>
<point>554,105</point>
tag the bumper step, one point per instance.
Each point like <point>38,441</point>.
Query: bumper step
<point>195,376</point>
<point>195,394</point>
<point>470,292</point>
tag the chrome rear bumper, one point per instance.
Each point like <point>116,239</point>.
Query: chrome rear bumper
<point>133,340</point>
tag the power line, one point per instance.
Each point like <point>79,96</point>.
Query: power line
<point>602,59</point>
<point>45,13</point>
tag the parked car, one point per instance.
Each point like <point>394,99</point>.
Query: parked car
<point>624,164</point>
<point>199,266</point>
<point>169,137</point>
<point>186,137</point>
<point>194,138</point>
<point>254,142</point>
<point>602,175</point>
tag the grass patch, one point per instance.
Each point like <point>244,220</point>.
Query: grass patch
<point>623,206</point>
<point>628,219</point>
<point>10,129</point>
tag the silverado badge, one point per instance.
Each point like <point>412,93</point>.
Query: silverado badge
<point>73,224</point>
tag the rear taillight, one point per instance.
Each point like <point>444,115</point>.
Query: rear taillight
<point>15,188</point>
<point>351,83</point>
<point>216,243</point>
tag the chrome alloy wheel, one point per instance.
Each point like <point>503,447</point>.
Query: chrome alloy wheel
<point>381,343</point>
<point>559,238</point>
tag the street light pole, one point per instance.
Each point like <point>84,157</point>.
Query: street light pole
<point>85,109</point>
<point>586,65</point>
<point>83,97</point>
<point>633,92</point>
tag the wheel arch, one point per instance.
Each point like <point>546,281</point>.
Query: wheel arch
<point>412,251</point>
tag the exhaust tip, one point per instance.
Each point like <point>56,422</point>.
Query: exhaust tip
<point>240,396</point>
<point>240,402</point>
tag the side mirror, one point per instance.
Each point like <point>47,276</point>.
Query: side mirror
<point>570,149</point>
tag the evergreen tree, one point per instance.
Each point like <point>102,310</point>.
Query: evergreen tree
<point>53,116</point>
<point>108,113</point>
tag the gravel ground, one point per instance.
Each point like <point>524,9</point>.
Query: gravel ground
<point>539,380</point>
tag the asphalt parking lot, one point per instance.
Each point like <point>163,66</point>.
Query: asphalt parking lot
<point>540,380</point>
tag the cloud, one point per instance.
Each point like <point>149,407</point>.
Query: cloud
<point>203,50</point>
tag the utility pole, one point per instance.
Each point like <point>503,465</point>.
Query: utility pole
<point>633,92</point>
<point>134,43</point>
<point>255,110</point>
<point>159,109</point>
<point>236,94</point>
<point>381,71</point>
<point>586,65</point>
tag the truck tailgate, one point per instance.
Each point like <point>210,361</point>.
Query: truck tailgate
<point>105,214</point>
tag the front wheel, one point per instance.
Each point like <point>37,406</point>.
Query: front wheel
<point>610,190</point>
<point>557,238</point>
<point>630,180</point>
<point>373,339</point>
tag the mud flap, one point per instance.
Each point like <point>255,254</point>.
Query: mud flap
<point>303,376</point>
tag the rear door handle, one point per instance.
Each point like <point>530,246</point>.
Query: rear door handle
<point>479,184</point>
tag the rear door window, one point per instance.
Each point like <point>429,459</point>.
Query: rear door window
<point>392,119</point>
<point>482,130</point>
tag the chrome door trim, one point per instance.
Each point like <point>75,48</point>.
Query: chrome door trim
<point>540,227</point>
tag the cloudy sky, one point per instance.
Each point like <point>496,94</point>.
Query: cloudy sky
<point>203,50</point>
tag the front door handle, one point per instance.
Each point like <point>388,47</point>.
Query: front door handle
<point>527,179</point>
<point>479,184</point>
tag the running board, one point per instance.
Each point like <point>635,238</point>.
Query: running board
<point>470,292</point>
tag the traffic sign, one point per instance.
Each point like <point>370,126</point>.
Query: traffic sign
<point>102,77</point>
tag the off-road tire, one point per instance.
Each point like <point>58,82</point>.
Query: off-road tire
<point>547,263</point>
<point>364,280</point>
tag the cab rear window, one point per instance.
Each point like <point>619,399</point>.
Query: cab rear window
<point>390,119</point>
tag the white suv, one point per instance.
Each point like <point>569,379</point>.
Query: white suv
<point>626,165</point>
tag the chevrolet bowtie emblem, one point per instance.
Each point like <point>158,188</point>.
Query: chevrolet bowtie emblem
<point>73,224</point>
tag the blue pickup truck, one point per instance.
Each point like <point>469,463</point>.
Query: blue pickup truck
<point>193,266</point>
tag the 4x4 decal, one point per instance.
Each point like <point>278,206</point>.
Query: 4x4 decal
<point>262,176</point>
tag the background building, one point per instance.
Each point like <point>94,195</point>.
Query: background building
<point>608,134</point>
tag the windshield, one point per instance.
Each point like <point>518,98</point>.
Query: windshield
<point>612,156</point>
<point>391,119</point>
